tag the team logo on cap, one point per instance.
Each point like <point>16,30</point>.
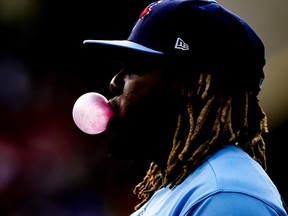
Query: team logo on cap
<point>148,9</point>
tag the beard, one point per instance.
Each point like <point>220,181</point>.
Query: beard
<point>140,137</point>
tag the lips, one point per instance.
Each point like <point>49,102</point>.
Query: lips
<point>114,105</point>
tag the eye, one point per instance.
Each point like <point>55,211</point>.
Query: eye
<point>139,67</point>
<point>134,69</point>
<point>128,71</point>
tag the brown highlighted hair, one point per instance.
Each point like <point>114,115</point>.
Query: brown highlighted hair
<point>210,117</point>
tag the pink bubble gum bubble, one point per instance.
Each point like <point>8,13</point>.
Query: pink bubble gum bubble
<point>91,113</point>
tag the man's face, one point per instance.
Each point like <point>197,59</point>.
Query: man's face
<point>145,106</point>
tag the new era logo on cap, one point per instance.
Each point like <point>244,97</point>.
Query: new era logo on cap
<point>180,44</point>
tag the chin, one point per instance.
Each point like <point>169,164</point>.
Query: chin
<point>144,142</point>
<point>136,149</point>
<point>123,149</point>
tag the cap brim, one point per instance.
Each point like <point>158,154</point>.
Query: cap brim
<point>121,50</point>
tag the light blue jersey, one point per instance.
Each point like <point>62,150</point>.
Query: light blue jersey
<point>228,183</point>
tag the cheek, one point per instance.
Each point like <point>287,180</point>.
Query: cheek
<point>148,98</point>
<point>135,104</point>
<point>137,96</point>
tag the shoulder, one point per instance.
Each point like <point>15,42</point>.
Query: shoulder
<point>232,180</point>
<point>224,184</point>
<point>231,203</point>
<point>230,169</point>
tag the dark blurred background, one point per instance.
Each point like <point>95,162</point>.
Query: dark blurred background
<point>47,165</point>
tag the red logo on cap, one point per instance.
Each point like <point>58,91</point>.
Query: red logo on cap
<point>148,9</point>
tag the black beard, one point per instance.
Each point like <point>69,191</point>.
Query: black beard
<point>150,142</point>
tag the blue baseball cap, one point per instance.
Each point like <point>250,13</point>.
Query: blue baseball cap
<point>200,34</point>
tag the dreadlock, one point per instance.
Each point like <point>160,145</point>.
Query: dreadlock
<point>209,117</point>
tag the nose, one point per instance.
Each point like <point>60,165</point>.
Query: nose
<point>117,83</point>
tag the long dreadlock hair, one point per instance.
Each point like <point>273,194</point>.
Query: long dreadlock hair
<point>209,118</point>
